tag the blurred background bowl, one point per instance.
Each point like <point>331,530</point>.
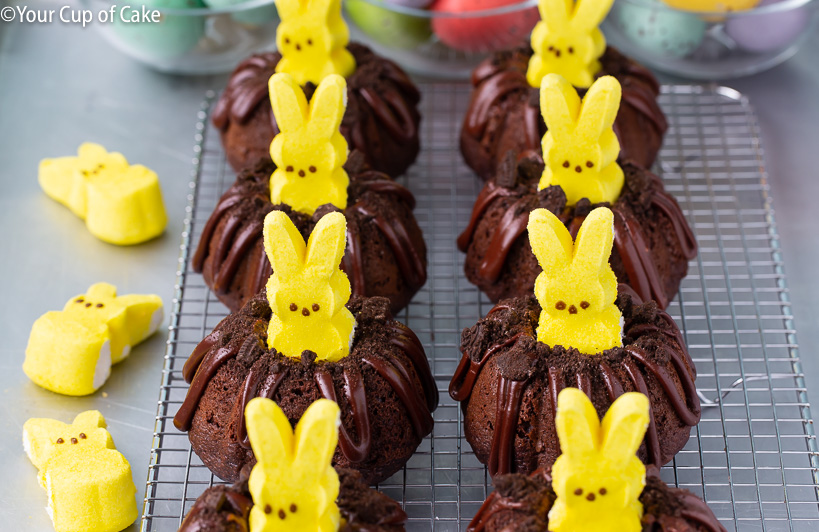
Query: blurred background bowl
<point>192,36</point>
<point>710,46</point>
<point>440,38</point>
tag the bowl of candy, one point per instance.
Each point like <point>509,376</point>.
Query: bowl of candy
<point>440,38</point>
<point>189,36</point>
<point>710,39</point>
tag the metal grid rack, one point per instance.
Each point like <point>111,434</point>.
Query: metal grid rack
<point>753,457</point>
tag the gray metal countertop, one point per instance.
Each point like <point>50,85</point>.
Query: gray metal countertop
<point>61,85</point>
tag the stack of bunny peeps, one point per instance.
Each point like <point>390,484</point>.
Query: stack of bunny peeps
<point>598,478</point>
<point>120,203</point>
<point>307,291</point>
<point>88,481</point>
<point>580,148</point>
<point>309,151</point>
<point>577,288</point>
<point>293,484</point>
<point>71,351</point>
<point>567,41</point>
<point>312,38</point>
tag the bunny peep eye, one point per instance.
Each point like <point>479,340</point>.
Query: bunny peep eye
<point>82,435</point>
<point>267,509</point>
<point>551,48</point>
<point>100,305</point>
<point>288,169</point>
<point>309,42</point>
<point>293,508</point>
<point>584,305</point>
<point>312,169</point>
<point>293,307</point>
<point>560,305</point>
<point>316,307</point>
<point>60,440</point>
<point>589,164</point>
<point>566,164</point>
<point>603,491</point>
<point>570,50</point>
<point>79,300</point>
<point>287,40</point>
<point>578,491</point>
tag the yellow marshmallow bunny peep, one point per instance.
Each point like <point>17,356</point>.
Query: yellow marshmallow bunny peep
<point>567,40</point>
<point>580,148</point>
<point>120,203</point>
<point>310,151</point>
<point>308,291</point>
<point>312,38</point>
<point>87,480</point>
<point>293,483</point>
<point>577,287</point>
<point>71,351</point>
<point>598,479</point>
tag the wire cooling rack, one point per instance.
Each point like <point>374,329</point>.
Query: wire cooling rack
<point>753,457</point>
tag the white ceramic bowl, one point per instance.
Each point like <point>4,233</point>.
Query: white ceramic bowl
<point>440,41</point>
<point>710,46</point>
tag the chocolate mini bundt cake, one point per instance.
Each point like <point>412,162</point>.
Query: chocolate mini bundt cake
<point>386,254</point>
<point>522,503</point>
<point>504,112</point>
<point>226,508</point>
<point>384,387</point>
<point>381,120</point>
<point>652,243</point>
<point>508,383</point>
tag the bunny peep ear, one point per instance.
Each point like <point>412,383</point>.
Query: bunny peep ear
<point>328,106</point>
<point>289,103</point>
<point>283,244</point>
<point>327,243</point>
<point>588,14</point>
<point>577,424</point>
<point>624,426</point>
<point>550,240</point>
<point>594,241</point>
<point>559,105</point>
<point>269,432</point>
<point>317,436</point>
<point>600,107</point>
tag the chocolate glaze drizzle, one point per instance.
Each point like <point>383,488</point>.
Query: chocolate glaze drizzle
<point>687,408</point>
<point>504,75</point>
<point>378,91</point>
<point>263,380</point>
<point>691,508</point>
<point>241,238</point>
<point>630,240</point>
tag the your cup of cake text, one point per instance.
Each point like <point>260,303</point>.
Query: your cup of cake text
<point>70,15</point>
